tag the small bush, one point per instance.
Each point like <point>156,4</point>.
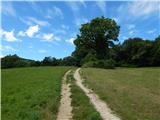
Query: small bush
<point>106,64</point>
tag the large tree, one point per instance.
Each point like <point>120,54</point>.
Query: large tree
<point>96,36</point>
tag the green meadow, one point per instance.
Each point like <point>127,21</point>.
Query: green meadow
<point>132,93</point>
<point>31,93</point>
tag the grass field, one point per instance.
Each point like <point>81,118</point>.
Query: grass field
<point>31,93</point>
<point>82,108</point>
<point>133,93</point>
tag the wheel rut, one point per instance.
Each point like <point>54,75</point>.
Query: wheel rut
<point>65,109</point>
<point>99,105</point>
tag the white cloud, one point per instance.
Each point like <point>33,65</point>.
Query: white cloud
<point>71,40</point>
<point>54,12</point>
<point>8,36</point>
<point>7,9</point>
<point>7,48</point>
<point>151,31</point>
<point>42,51</point>
<point>102,6</point>
<point>1,56</point>
<point>32,30</point>
<point>49,37</point>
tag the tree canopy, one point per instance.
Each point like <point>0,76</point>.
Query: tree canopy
<point>96,37</point>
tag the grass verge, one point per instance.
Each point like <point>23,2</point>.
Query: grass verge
<point>31,93</point>
<point>133,93</point>
<point>82,108</point>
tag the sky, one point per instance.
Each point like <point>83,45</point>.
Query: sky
<point>34,29</point>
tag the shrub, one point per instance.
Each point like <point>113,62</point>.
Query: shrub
<point>106,64</point>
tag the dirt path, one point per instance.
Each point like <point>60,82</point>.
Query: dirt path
<point>65,109</point>
<point>100,106</point>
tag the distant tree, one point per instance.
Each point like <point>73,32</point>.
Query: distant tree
<point>117,53</point>
<point>35,63</point>
<point>69,61</point>
<point>156,52</point>
<point>97,36</point>
<point>49,61</point>
<point>137,51</point>
<point>11,61</point>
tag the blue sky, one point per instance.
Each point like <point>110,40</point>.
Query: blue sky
<point>37,29</point>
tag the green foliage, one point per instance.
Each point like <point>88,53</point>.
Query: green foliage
<point>14,61</point>
<point>106,64</point>
<point>96,35</point>
<point>69,61</point>
<point>91,56</point>
<point>49,61</point>
<point>11,61</point>
<point>31,93</point>
<point>137,52</point>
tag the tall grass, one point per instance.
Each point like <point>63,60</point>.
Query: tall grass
<point>31,93</point>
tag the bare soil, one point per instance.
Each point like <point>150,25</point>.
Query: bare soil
<point>65,109</point>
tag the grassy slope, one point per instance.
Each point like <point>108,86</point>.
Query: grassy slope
<point>82,108</point>
<point>31,93</point>
<point>133,93</point>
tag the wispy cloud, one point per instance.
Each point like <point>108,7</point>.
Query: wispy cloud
<point>102,6</point>
<point>142,8</point>
<point>75,6</point>
<point>7,48</point>
<point>39,22</point>
<point>8,9</point>
<point>138,9</point>
<point>31,21</point>
<point>42,51</point>
<point>62,30</point>
<point>151,31</point>
<point>54,12</point>
<point>131,26</point>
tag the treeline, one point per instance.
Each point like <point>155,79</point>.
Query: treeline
<point>133,52</point>
<point>12,61</point>
<point>95,47</point>
<point>137,52</point>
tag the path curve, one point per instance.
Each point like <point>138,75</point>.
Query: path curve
<point>65,109</point>
<point>99,105</point>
